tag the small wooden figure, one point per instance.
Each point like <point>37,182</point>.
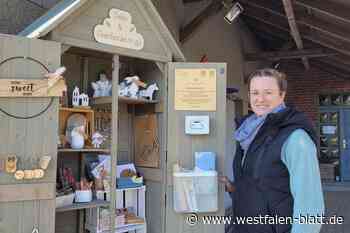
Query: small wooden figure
<point>44,162</point>
<point>28,174</point>
<point>19,175</point>
<point>11,164</point>
<point>38,173</point>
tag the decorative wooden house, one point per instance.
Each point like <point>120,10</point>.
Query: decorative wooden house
<point>122,38</point>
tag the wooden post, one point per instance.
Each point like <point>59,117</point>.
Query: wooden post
<point>114,144</point>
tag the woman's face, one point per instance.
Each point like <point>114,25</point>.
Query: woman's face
<point>265,95</point>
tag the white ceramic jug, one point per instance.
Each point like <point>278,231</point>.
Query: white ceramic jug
<point>77,139</point>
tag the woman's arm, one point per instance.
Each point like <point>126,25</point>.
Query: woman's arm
<point>299,154</point>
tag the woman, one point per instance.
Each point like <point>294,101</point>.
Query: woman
<point>275,168</point>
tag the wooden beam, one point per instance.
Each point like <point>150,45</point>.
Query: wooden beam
<point>275,56</point>
<point>288,8</point>
<point>210,10</point>
<point>331,9</point>
<point>191,1</point>
<point>325,27</point>
<point>277,20</point>
<point>316,24</point>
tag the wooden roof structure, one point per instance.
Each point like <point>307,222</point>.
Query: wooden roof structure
<point>315,31</point>
<point>68,20</point>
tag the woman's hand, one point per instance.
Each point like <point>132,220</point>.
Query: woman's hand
<point>229,187</point>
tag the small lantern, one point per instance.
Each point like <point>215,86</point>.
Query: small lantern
<point>76,97</point>
<point>84,100</point>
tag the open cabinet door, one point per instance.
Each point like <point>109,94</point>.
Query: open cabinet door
<point>27,205</point>
<point>194,89</point>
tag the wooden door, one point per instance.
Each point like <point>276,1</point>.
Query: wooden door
<point>191,94</point>
<point>28,205</point>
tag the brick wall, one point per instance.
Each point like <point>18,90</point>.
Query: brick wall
<point>305,86</point>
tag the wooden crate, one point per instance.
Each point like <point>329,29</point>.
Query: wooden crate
<point>64,114</point>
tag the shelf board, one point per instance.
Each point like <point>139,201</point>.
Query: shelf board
<point>126,189</point>
<point>79,206</point>
<point>130,227</point>
<point>75,109</point>
<point>122,99</point>
<point>119,229</point>
<point>106,151</point>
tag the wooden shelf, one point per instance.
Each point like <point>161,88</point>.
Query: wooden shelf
<point>76,110</point>
<point>121,99</point>
<point>126,189</point>
<point>119,229</point>
<point>79,206</point>
<point>69,150</point>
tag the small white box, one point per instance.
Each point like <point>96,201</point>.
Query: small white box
<point>65,200</point>
<point>197,125</point>
<point>83,196</point>
<point>195,191</point>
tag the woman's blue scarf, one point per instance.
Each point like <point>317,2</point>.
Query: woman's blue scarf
<point>245,134</point>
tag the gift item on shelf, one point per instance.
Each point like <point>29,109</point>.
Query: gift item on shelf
<point>129,182</point>
<point>126,170</point>
<point>70,118</point>
<point>83,196</point>
<point>102,169</point>
<point>83,192</point>
<point>130,86</point>
<point>127,176</point>
<point>103,126</point>
<point>77,138</point>
<point>75,129</point>
<point>64,200</point>
<point>149,91</point>
<point>103,87</point>
<point>79,99</point>
<point>97,139</point>
<point>65,187</point>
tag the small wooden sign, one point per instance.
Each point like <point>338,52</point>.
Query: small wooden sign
<point>147,147</point>
<point>118,30</point>
<point>30,88</point>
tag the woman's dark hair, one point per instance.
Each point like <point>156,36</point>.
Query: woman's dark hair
<point>280,77</point>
